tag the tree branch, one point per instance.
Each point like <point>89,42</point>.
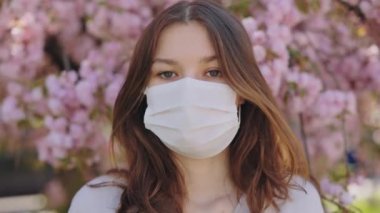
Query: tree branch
<point>354,8</point>
<point>340,206</point>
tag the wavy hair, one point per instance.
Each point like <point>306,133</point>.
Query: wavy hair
<point>264,154</point>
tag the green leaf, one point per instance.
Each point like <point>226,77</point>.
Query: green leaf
<point>315,5</point>
<point>302,5</point>
<point>241,7</point>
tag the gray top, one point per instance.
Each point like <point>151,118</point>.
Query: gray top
<point>106,199</point>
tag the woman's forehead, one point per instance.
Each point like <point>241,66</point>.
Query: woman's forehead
<point>181,41</point>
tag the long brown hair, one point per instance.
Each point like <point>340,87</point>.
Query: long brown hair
<point>264,154</point>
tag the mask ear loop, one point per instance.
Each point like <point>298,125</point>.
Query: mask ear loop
<point>239,113</point>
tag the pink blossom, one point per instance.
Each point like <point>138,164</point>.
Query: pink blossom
<point>279,47</point>
<point>333,103</point>
<point>53,85</point>
<point>274,8</point>
<point>55,106</point>
<point>10,69</point>
<point>366,7</point>
<point>27,29</point>
<point>80,116</point>
<point>272,77</point>
<point>331,188</point>
<point>35,95</point>
<point>85,91</point>
<point>10,110</point>
<point>127,5</point>
<point>59,124</point>
<point>280,65</point>
<point>98,23</point>
<point>346,199</point>
<point>250,24</point>
<point>300,39</point>
<point>336,191</point>
<point>76,131</point>
<point>258,37</point>
<point>306,88</point>
<point>112,91</point>
<point>259,52</point>
<point>279,32</point>
<point>14,89</point>
<point>325,6</point>
<point>332,145</point>
<point>119,28</point>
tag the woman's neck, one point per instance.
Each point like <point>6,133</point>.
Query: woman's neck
<point>207,180</point>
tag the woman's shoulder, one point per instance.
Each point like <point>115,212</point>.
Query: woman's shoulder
<point>104,197</point>
<point>303,197</point>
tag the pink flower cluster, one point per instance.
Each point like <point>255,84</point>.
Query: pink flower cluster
<point>21,49</point>
<point>332,122</point>
<point>304,89</point>
<point>270,42</point>
<point>371,8</point>
<point>68,121</point>
<point>316,67</point>
<point>73,105</point>
<point>108,20</point>
<point>10,110</point>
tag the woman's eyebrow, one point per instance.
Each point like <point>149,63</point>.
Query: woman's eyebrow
<point>205,59</point>
<point>165,61</point>
<point>208,59</point>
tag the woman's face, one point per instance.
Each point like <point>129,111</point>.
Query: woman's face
<point>185,50</point>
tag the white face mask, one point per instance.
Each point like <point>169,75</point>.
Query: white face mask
<point>194,118</point>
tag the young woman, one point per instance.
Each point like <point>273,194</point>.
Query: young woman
<point>199,126</point>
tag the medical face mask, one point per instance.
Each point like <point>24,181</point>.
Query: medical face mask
<point>193,118</point>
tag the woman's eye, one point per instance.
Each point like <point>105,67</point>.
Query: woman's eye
<point>167,74</point>
<point>214,73</point>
